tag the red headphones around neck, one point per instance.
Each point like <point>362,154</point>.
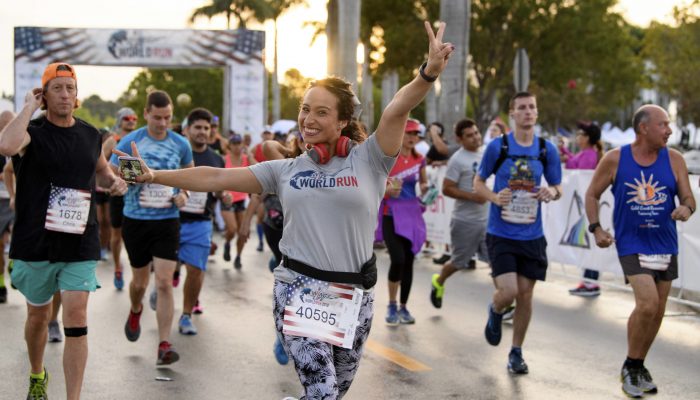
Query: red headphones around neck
<point>320,154</point>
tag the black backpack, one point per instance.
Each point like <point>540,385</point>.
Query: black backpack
<point>503,155</point>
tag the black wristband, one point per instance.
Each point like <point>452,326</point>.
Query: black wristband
<point>592,227</point>
<point>692,211</point>
<point>425,76</point>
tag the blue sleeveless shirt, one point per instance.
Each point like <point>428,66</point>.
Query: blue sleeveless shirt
<point>644,200</point>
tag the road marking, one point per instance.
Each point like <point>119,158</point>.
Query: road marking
<point>396,357</point>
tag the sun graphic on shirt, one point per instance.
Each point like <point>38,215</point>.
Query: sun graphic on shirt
<point>646,192</point>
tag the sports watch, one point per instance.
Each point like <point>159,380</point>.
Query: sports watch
<point>592,227</point>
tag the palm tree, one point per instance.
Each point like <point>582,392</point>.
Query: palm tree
<point>242,10</point>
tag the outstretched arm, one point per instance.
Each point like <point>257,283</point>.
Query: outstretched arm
<point>199,179</point>
<point>391,125</point>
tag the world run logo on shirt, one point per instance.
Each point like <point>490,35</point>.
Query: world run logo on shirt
<point>317,179</point>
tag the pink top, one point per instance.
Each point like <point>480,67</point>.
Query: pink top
<point>237,196</point>
<point>585,159</point>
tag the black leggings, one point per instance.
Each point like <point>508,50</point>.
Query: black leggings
<point>273,237</point>
<point>401,268</point>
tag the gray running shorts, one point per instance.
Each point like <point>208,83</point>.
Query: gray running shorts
<point>467,239</point>
<point>630,266</point>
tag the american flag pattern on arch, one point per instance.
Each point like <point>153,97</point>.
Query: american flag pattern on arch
<point>216,47</point>
<point>71,45</point>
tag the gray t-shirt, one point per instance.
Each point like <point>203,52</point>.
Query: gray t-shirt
<point>461,169</point>
<point>330,211</point>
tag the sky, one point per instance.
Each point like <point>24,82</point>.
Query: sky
<point>295,50</point>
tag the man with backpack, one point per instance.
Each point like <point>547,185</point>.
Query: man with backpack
<point>515,236</point>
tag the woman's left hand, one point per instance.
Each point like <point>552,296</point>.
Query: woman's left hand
<point>438,52</point>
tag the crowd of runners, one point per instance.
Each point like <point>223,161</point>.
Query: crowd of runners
<point>72,194</point>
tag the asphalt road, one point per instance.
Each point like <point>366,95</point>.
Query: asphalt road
<point>574,348</point>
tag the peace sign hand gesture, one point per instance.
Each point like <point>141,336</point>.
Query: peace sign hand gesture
<point>438,52</point>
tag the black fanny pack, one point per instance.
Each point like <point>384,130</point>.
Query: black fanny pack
<point>367,277</point>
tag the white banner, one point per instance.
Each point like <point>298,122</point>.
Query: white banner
<point>36,47</point>
<point>565,226</point>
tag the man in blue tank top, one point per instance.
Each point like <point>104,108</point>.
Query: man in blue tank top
<point>645,176</point>
<point>517,248</point>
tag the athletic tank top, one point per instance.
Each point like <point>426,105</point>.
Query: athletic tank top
<point>66,158</point>
<point>238,196</point>
<point>644,200</point>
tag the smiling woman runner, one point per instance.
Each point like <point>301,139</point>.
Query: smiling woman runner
<point>330,196</point>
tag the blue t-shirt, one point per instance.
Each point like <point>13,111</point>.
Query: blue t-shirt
<point>173,152</point>
<point>521,172</point>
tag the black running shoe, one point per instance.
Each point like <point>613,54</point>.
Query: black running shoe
<point>227,251</point>
<point>442,259</point>
<point>493,327</point>
<point>3,294</point>
<point>516,364</point>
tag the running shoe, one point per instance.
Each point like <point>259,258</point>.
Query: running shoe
<point>632,382</point>
<point>55,334</point>
<point>185,326</point>
<point>3,294</point>
<point>153,299</point>
<point>442,259</point>
<point>493,327</point>
<point>584,290</point>
<point>280,354</point>
<point>436,292</point>
<point>118,280</point>
<point>260,246</point>
<point>392,315</point>
<point>508,313</point>
<point>646,383</point>
<point>176,278</point>
<point>405,317</point>
<point>197,309</point>
<point>132,329</point>
<point>272,264</point>
<point>471,265</point>
<point>516,364</point>
<point>103,254</point>
<point>166,353</point>
<point>38,387</point>
<point>237,263</point>
<point>227,251</point>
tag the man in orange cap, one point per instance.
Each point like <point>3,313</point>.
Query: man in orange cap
<point>55,243</point>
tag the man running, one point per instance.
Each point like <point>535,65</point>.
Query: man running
<point>55,242</point>
<point>646,177</point>
<point>151,227</point>
<point>126,122</point>
<point>468,223</point>
<point>515,237</point>
<point>196,218</point>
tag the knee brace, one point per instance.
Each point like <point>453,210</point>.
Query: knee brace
<point>75,332</point>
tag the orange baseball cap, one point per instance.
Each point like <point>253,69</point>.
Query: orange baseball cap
<point>57,70</point>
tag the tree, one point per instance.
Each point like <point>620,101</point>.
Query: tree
<point>583,61</point>
<point>675,59</point>
<point>203,85</point>
<point>242,10</point>
<point>292,92</point>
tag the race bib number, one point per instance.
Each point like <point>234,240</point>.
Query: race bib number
<point>322,310</point>
<point>522,208</point>
<point>4,194</point>
<point>68,210</point>
<point>657,262</point>
<point>154,195</point>
<point>196,203</point>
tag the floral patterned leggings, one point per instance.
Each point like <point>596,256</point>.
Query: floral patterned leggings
<point>326,371</point>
